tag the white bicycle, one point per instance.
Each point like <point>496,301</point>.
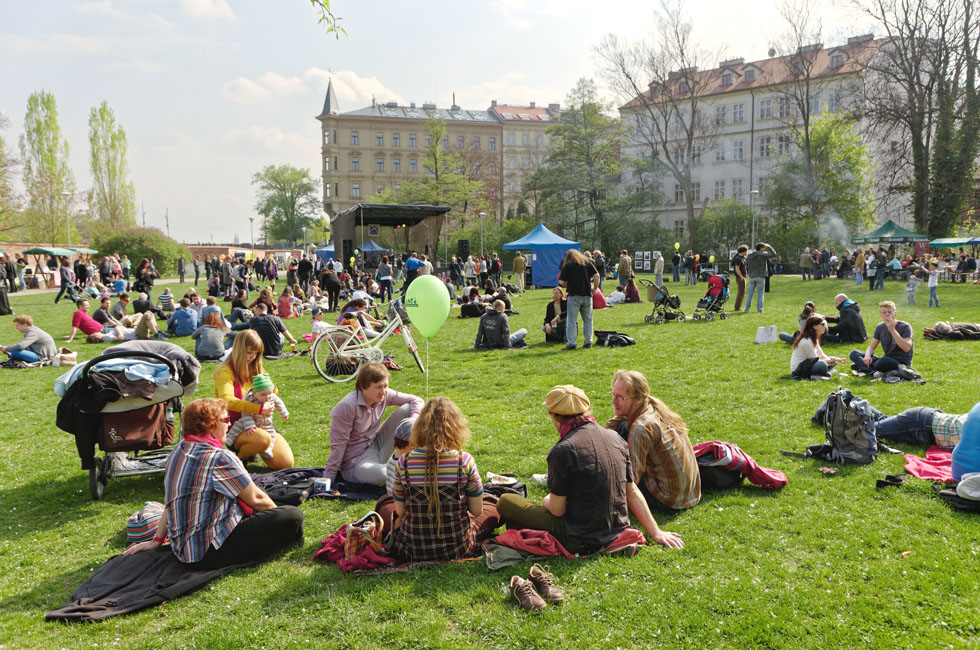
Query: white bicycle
<point>338,353</point>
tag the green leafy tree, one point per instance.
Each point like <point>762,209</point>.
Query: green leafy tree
<point>832,182</point>
<point>326,17</point>
<point>522,211</point>
<point>112,201</point>
<point>138,243</point>
<point>289,199</point>
<point>47,173</point>
<point>494,237</point>
<point>10,202</point>
<point>722,228</point>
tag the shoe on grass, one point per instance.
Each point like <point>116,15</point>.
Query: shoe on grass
<point>523,592</point>
<point>544,584</point>
<point>568,347</point>
<point>540,479</point>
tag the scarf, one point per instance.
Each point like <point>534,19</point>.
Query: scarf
<point>567,426</point>
<point>208,439</point>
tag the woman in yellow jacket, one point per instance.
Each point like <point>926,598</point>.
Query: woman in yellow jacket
<point>232,381</point>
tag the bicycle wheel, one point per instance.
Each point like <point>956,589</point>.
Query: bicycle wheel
<point>412,347</point>
<point>331,354</point>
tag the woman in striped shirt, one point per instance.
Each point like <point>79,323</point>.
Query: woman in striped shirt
<point>437,490</point>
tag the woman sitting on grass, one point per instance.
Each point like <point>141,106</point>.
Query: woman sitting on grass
<point>209,338</point>
<point>443,513</point>
<point>809,309</point>
<point>214,515</point>
<point>632,292</point>
<point>808,359</point>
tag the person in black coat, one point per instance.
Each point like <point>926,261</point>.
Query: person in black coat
<point>850,326</point>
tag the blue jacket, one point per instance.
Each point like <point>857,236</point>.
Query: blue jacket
<point>183,322</point>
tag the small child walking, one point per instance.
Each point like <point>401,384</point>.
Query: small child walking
<point>910,289</point>
<point>933,283</point>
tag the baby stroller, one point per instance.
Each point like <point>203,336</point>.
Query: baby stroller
<point>714,299</point>
<point>122,401</point>
<point>666,306</point>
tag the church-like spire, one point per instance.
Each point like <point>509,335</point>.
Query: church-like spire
<point>330,106</point>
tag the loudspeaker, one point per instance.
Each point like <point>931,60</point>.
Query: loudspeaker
<point>348,246</point>
<point>463,248</point>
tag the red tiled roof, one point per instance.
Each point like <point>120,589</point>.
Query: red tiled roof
<point>510,113</point>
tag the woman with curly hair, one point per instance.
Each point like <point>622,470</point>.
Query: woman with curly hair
<point>438,495</point>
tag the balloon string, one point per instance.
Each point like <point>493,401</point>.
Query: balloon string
<point>427,369</point>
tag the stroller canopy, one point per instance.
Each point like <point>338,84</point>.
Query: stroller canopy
<point>547,250</point>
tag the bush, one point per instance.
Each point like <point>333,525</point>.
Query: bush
<point>138,243</point>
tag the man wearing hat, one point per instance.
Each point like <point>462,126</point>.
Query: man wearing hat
<point>590,483</point>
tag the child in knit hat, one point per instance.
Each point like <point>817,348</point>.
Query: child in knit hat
<point>258,428</point>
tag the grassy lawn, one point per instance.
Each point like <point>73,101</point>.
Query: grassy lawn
<point>817,564</point>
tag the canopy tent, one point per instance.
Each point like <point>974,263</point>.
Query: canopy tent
<point>57,252</point>
<point>547,250</point>
<point>85,251</point>
<point>889,233</point>
<point>326,253</point>
<point>344,225</point>
<point>370,247</point>
<point>952,242</point>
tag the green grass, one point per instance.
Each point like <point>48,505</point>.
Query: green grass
<point>816,564</point>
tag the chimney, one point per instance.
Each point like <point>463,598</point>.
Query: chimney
<point>532,104</point>
<point>411,105</point>
<point>863,38</point>
<point>493,102</point>
<point>730,63</point>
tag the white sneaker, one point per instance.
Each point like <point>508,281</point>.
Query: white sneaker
<point>540,479</point>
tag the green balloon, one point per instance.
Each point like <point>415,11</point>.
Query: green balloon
<point>427,304</point>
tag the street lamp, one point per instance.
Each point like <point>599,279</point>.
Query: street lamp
<point>66,194</point>
<point>482,214</point>
<point>752,195</point>
<point>251,234</point>
<point>304,239</point>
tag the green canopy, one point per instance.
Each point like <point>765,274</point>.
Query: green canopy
<point>85,251</point>
<point>950,242</point>
<point>889,233</point>
<point>58,252</point>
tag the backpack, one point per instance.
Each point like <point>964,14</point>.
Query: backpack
<point>611,339</point>
<point>850,429</point>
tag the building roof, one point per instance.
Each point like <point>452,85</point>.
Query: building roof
<point>424,112</point>
<point>510,113</point>
<point>330,105</point>
<point>777,70</point>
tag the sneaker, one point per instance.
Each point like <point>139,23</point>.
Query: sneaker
<point>544,583</point>
<point>568,347</point>
<point>523,592</point>
<point>586,346</point>
<point>540,479</point>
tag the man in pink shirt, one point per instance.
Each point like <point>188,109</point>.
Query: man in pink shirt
<point>360,443</point>
<point>80,320</point>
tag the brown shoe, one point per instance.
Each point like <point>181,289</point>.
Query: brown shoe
<point>544,583</point>
<point>523,592</point>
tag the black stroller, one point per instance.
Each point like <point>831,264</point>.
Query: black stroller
<point>714,299</point>
<point>105,407</point>
<point>666,306</point>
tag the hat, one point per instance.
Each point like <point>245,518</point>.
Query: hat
<point>404,429</point>
<point>315,311</point>
<point>969,486</point>
<point>262,382</point>
<point>567,400</point>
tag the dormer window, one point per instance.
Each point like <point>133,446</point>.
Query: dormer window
<point>836,60</point>
<point>750,75</point>
<point>682,86</point>
<point>726,79</point>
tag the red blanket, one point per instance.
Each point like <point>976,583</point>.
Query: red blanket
<point>539,542</point>
<point>936,466</point>
<point>332,550</point>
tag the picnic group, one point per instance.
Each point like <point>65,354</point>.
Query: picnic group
<point>431,503</point>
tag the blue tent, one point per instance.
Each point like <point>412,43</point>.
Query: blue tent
<point>547,250</point>
<point>326,253</point>
<point>370,247</point>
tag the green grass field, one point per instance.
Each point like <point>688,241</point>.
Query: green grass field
<point>817,564</point>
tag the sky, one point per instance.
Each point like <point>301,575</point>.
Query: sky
<point>211,91</point>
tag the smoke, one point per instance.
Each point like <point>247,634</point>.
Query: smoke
<point>832,230</point>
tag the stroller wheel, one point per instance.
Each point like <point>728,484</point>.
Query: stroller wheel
<point>696,316</point>
<point>648,318</point>
<point>680,317</point>
<point>724,315</point>
<point>660,320</point>
<point>97,479</point>
<point>709,316</point>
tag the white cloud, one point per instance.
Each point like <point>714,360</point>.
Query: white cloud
<point>353,91</point>
<point>244,91</point>
<point>207,8</point>
<point>54,44</point>
<point>281,86</point>
<point>270,139</point>
<point>101,7</point>
<point>141,65</point>
<point>511,88</point>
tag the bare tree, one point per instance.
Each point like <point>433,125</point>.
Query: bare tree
<point>661,80</point>
<point>10,201</point>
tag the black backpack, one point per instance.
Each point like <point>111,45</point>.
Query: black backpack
<point>611,339</point>
<point>850,428</point>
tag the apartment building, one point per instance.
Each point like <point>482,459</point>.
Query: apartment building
<point>383,145</point>
<point>746,111</point>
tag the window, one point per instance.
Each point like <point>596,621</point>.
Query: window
<point>737,188</point>
<point>355,190</point>
<point>511,186</point>
<point>783,145</point>
<point>785,107</point>
<point>750,75</point>
<point>833,101</point>
<point>476,168</point>
<point>526,139</point>
<point>765,146</point>
<point>326,189</point>
<point>461,142</point>
<point>763,183</point>
<point>326,137</point>
<point>539,141</point>
<point>526,163</point>
<point>678,193</point>
<point>813,104</point>
<point>720,152</point>
<point>719,190</point>
<point>682,86</point>
<point>381,164</point>
<point>836,60</point>
<point>721,114</point>
<point>396,139</point>
<point>397,164</point>
<point>511,162</point>
<point>726,79</point>
<point>679,228</point>
<point>510,139</point>
<point>738,113</point>
<point>411,139</point>
<point>336,186</point>
<point>765,109</point>
<point>413,165</point>
<point>379,139</point>
<point>428,141</point>
<point>738,150</point>
<point>493,168</point>
<point>492,144</point>
<point>445,142</point>
<point>695,154</point>
<point>326,164</point>
<point>476,142</point>
<point>353,137</point>
<point>355,164</point>
<point>696,192</point>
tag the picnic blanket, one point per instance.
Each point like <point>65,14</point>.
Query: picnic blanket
<point>341,489</point>
<point>522,544</point>
<point>368,561</point>
<point>936,466</point>
<point>729,456</point>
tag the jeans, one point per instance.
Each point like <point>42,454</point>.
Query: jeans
<point>880,278</point>
<point>757,285</point>
<point>826,269</point>
<point>578,304</point>
<point>806,272</point>
<point>386,290</point>
<point>20,276</point>
<point>819,367</point>
<point>911,425</point>
<point>858,278</point>
<point>517,512</point>
<point>24,355</point>
<point>689,277</point>
<point>878,364</point>
<point>933,296</point>
<point>659,279</point>
<point>371,467</point>
<point>788,338</point>
<point>676,270</point>
<point>517,336</point>
<point>256,536</point>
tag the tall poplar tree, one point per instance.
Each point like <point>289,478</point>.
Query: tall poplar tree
<point>112,200</point>
<point>47,174</point>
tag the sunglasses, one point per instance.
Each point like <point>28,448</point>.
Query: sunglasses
<point>225,419</point>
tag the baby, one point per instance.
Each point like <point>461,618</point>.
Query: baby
<point>262,391</point>
<point>910,290</point>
